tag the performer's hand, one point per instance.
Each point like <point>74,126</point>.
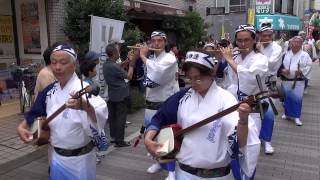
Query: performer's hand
<point>23,131</point>
<point>125,63</point>
<point>76,104</point>
<point>244,110</point>
<point>73,103</point>
<point>136,52</point>
<point>132,59</point>
<point>151,145</point>
<point>227,53</point>
<point>259,46</point>
<point>143,52</point>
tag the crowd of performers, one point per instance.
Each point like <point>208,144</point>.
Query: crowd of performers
<point>219,76</point>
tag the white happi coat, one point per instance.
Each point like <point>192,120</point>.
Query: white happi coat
<point>208,146</point>
<point>160,81</point>
<point>71,130</point>
<point>247,69</point>
<point>273,52</point>
<point>161,77</point>
<point>291,62</point>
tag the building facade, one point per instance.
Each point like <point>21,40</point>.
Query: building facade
<point>225,16</point>
<point>27,27</point>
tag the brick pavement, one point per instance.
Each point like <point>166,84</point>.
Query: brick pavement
<point>10,145</point>
<point>296,157</point>
<point>297,149</point>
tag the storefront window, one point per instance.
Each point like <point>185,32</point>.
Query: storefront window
<point>277,6</point>
<point>237,5</point>
<point>30,27</point>
<point>8,89</point>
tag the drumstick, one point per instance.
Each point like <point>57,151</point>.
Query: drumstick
<point>139,47</point>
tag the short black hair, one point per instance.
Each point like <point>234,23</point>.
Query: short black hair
<point>111,50</point>
<point>47,53</point>
<point>86,67</point>
<point>224,43</point>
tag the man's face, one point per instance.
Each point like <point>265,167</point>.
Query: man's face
<point>199,82</point>
<point>296,44</point>
<point>244,40</point>
<point>266,36</point>
<point>158,42</point>
<point>175,50</point>
<point>303,35</point>
<point>62,66</point>
<point>93,73</point>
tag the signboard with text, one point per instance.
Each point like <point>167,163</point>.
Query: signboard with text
<point>263,6</point>
<point>280,22</point>
<point>6,37</point>
<point>102,31</point>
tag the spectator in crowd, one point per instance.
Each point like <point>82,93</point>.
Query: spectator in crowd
<point>118,90</point>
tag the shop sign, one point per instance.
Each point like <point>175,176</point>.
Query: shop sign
<point>6,37</point>
<point>280,22</point>
<point>263,6</point>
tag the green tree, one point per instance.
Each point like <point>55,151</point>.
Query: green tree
<point>77,20</point>
<point>189,30</point>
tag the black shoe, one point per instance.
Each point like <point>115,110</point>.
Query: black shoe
<point>113,141</point>
<point>122,144</point>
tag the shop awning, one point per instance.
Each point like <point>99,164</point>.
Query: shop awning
<point>280,22</point>
<point>153,7</point>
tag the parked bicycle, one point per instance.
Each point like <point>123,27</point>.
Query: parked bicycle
<point>25,78</point>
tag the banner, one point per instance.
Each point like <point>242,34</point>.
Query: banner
<point>102,31</point>
<point>30,27</point>
<point>251,16</point>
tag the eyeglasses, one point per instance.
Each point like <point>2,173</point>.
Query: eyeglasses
<point>198,80</point>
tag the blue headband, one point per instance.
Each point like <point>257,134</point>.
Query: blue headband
<point>158,33</point>
<point>66,48</point>
<point>201,58</point>
<point>246,27</point>
<point>266,28</point>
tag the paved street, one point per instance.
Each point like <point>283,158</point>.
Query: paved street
<point>296,157</point>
